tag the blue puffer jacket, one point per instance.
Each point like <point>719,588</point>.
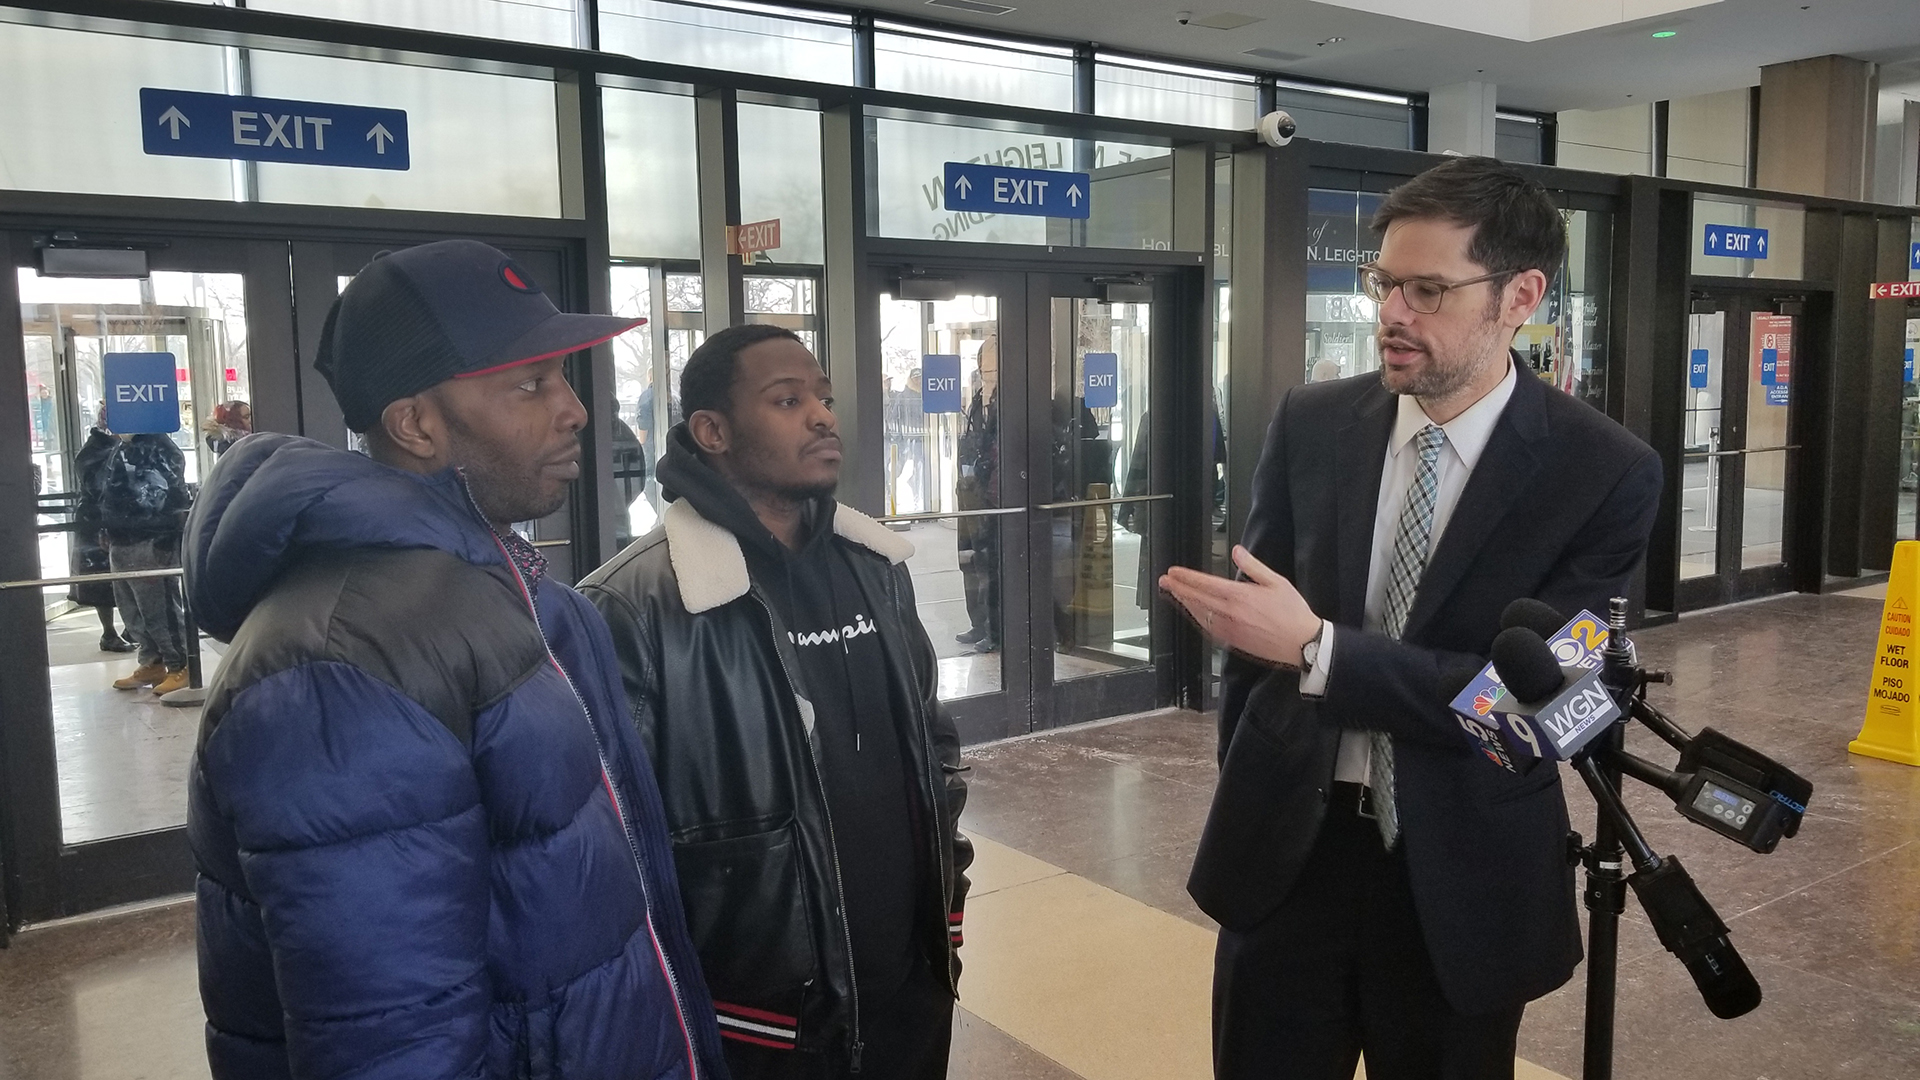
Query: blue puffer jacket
<point>428,845</point>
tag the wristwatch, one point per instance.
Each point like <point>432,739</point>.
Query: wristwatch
<point>1310,652</point>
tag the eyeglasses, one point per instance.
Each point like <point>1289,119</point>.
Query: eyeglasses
<point>1422,294</point>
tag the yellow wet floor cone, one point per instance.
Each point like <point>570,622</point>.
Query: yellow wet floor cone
<point>1892,728</point>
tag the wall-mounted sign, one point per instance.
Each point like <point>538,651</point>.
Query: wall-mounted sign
<point>1772,352</point>
<point>1914,262</point>
<point>996,189</point>
<point>1100,381</point>
<point>755,236</point>
<point>1697,369</point>
<point>940,383</point>
<point>184,123</point>
<point>143,392</point>
<point>1906,370</point>
<point>1735,242</point>
<point>1895,290</point>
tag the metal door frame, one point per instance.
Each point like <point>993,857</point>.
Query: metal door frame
<point>1731,582</point>
<point>44,876</point>
<point>1026,283</point>
<point>288,256</point>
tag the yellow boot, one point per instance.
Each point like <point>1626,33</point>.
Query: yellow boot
<point>175,680</point>
<point>144,675</point>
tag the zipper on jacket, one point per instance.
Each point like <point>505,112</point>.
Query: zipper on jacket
<point>619,809</point>
<point>833,845</point>
<point>936,791</point>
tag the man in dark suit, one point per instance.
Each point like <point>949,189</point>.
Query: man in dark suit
<point>1379,886</point>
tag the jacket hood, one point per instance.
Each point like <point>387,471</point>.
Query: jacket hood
<point>685,474</point>
<point>709,527</point>
<point>272,497</point>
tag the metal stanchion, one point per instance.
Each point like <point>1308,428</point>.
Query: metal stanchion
<point>195,692</point>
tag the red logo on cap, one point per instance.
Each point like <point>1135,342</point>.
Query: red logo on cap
<point>515,280</point>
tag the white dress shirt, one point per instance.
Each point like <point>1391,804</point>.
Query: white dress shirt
<point>1467,436</point>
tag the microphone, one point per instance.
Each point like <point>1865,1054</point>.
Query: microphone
<point>1692,931</point>
<point>1542,696</point>
<point>1525,663</point>
<point>1536,615</point>
<point>1555,710</point>
<point>1452,683</point>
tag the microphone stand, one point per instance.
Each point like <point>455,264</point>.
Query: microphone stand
<point>1606,891</point>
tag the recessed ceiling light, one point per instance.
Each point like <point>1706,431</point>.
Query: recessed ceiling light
<point>1666,33</point>
<point>1332,41</point>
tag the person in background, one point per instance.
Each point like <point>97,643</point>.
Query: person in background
<point>143,498</point>
<point>907,445</point>
<point>629,475</point>
<point>89,552</point>
<point>231,421</point>
<point>788,696</point>
<point>429,845</point>
<point>978,488</point>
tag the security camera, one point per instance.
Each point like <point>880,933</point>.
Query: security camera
<point>1183,17</point>
<point>1276,128</point>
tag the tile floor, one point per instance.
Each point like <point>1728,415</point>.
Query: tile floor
<point>1085,836</point>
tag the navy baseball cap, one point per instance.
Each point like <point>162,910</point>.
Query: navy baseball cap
<point>415,318</point>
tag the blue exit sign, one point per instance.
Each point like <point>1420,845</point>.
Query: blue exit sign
<point>940,383</point>
<point>185,123</point>
<point>142,392</point>
<point>996,189</point>
<point>1735,242</point>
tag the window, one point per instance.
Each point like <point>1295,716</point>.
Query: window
<point>57,83</point>
<point>1173,94</point>
<point>481,144</point>
<point>780,178</point>
<point>539,22</point>
<point>925,61</point>
<point>1785,227</point>
<point>653,179</point>
<point>1331,114</point>
<point>765,39</point>
<point>1132,196</point>
<point>1518,138</point>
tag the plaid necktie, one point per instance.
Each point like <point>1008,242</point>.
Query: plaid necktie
<point>1412,543</point>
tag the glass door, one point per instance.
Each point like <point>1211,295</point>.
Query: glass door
<point>953,360</point>
<point>1101,533</point>
<point>142,376</point>
<point>1023,460</point>
<point>1738,453</point>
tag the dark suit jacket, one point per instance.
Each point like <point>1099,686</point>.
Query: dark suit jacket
<point>1559,507</point>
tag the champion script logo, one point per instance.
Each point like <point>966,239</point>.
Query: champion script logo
<point>831,635</point>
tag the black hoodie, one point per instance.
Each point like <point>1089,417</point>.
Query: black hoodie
<point>821,608</point>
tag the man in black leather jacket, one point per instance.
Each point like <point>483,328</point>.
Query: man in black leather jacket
<point>786,693</point>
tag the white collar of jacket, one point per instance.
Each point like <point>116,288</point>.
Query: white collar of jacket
<point>712,570</point>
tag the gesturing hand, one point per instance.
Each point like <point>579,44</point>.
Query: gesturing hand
<point>1263,616</point>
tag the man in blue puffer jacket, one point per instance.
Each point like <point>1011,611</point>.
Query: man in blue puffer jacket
<point>428,843</point>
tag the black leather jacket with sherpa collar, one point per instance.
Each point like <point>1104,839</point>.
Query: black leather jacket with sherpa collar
<point>711,675</point>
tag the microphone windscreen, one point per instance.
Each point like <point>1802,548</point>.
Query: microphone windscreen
<point>1524,662</point>
<point>1535,615</point>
